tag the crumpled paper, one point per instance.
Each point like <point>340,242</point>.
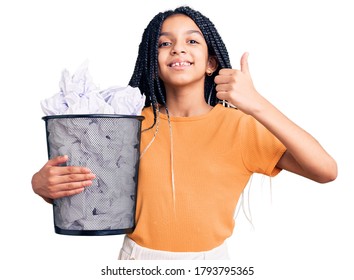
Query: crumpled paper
<point>79,95</point>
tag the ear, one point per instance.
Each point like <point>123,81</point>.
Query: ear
<point>212,65</point>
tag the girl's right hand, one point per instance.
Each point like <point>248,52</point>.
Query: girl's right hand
<point>53,181</point>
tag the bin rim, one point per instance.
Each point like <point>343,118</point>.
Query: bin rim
<point>71,116</point>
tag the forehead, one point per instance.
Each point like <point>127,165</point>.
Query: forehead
<point>180,21</point>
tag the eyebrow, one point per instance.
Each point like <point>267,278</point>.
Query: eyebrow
<point>187,32</point>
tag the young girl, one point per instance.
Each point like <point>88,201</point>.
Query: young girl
<point>196,154</point>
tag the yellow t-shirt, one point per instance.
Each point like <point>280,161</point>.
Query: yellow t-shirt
<point>214,156</point>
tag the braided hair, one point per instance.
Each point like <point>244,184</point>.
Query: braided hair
<point>145,75</point>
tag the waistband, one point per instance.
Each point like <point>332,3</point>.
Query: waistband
<point>132,251</point>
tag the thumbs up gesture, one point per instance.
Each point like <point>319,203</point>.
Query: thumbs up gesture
<point>237,88</point>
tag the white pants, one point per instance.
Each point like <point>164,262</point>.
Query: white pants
<point>132,251</point>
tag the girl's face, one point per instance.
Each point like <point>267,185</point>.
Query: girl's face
<point>182,52</point>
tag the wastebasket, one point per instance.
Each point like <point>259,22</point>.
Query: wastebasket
<point>109,145</point>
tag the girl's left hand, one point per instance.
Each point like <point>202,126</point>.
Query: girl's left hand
<point>237,88</point>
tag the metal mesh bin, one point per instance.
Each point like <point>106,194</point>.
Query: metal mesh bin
<point>109,145</point>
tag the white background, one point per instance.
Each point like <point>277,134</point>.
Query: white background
<point>301,59</point>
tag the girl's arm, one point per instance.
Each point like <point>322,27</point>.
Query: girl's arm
<point>304,155</point>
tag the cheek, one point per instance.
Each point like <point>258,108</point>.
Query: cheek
<point>160,60</point>
<point>159,67</point>
<point>160,71</point>
<point>203,56</point>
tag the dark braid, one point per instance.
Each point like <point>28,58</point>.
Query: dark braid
<point>146,75</point>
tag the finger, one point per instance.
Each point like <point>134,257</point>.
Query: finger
<point>226,72</point>
<point>74,185</point>
<point>244,63</point>
<point>65,192</point>
<point>222,95</point>
<point>71,179</point>
<point>55,169</point>
<point>76,170</point>
<point>68,193</point>
<point>225,76</point>
<point>66,188</point>
<point>223,87</point>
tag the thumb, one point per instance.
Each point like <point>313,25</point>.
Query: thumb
<point>57,160</point>
<point>244,63</point>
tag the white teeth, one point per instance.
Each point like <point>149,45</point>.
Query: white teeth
<point>183,63</point>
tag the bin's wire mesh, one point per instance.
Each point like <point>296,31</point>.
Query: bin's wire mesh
<point>110,148</point>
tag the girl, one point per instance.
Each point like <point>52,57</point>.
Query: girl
<point>197,155</point>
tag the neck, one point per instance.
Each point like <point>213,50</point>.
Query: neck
<point>186,103</point>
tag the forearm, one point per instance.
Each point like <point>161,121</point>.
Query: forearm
<point>314,162</point>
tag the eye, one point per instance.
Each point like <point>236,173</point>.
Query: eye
<point>164,44</point>
<point>192,41</point>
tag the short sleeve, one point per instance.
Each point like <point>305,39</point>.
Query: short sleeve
<point>261,149</point>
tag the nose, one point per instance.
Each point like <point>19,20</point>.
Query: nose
<point>178,49</point>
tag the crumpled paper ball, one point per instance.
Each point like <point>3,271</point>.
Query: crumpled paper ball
<point>79,95</point>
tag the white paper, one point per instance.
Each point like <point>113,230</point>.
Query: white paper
<point>79,95</point>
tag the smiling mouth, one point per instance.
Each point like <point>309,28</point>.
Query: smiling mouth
<point>179,64</point>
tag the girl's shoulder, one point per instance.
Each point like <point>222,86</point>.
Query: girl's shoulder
<point>228,112</point>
